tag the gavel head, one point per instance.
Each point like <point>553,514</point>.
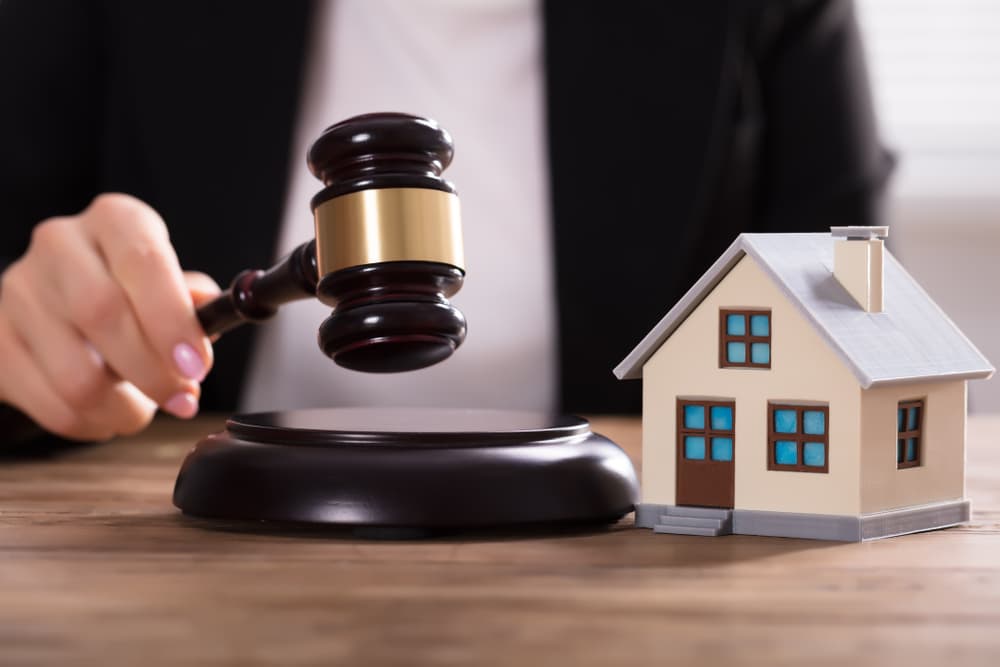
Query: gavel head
<point>388,243</point>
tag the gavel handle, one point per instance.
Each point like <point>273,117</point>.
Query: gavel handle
<point>254,296</point>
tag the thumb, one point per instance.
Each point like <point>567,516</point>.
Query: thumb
<point>203,289</point>
<point>201,286</point>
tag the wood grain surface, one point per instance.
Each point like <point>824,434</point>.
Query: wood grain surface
<point>97,567</point>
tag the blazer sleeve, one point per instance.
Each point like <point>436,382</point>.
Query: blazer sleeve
<point>821,157</point>
<point>50,58</point>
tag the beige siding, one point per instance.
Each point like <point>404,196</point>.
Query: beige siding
<point>941,475</point>
<point>804,368</point>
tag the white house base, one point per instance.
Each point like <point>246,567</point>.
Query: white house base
<point>825,526</point>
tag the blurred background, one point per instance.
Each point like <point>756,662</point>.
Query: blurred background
<point>935,70</point>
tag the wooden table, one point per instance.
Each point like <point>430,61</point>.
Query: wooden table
<point>97,567</point>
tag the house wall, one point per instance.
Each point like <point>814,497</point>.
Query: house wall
<point>803,368</point>
<point>941,475</point>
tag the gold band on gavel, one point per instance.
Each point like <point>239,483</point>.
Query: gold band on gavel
<point>387,225</point>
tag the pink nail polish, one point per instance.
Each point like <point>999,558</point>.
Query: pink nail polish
<point>189,362</point>
<point>182,405</point>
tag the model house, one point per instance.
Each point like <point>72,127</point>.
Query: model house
<point>806,386</point>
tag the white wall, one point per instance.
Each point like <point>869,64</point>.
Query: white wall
<point>935,69</point>
<point>960,269</point>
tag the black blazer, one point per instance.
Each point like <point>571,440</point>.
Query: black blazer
<point>672,127</point>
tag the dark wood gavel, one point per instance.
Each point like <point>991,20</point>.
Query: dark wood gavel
<point>387,253</point>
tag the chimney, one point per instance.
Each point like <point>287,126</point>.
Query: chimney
<point>857,264</point>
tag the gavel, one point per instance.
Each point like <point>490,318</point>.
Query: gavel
<point>387,254</point>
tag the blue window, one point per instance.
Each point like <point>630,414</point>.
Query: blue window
<point>760,325</point>
<point>722,449</point>
<point>814,454</point>
<point>694,447</point>
<point>786,421</point>
<point>814,422</point>
<point>722,418</point>
<point>909,433</point>
<point>798,439</point>
<point>745,339</point>
<point>707,430</point>
<point>760,354</point>
<point>786,452</point>
<point>694,417</point>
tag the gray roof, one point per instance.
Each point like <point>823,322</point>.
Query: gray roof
<point>913,339</point>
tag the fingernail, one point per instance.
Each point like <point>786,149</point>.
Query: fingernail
<point>182,405</point>
<point>189,362</point>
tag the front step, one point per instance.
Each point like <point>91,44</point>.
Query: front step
<point>708,521</point>
<point>686,530</point>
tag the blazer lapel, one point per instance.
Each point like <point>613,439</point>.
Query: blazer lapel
<point>633,91</point>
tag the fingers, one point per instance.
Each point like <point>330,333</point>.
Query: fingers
<point>201,287</point>
<point>133,241</point>
<point>122,409</point>
<point>73,368</point>
<point>98,323</point>
<point>32,393</point>
<point>73,285</point>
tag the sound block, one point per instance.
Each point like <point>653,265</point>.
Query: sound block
<point>407,468</point>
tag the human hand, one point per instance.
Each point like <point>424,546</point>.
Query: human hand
<point>98,325</point>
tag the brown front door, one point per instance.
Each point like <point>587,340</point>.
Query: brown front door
<point>706,451</point>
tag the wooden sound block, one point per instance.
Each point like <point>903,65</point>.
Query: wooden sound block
<point>407,468</point>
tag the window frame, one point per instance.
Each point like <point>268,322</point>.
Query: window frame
<point>917,434</point>
<point>800,437</point>
<point>725,338</point>
<point>707,432</point>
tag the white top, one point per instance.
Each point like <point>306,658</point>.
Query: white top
<point>476,68</point>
